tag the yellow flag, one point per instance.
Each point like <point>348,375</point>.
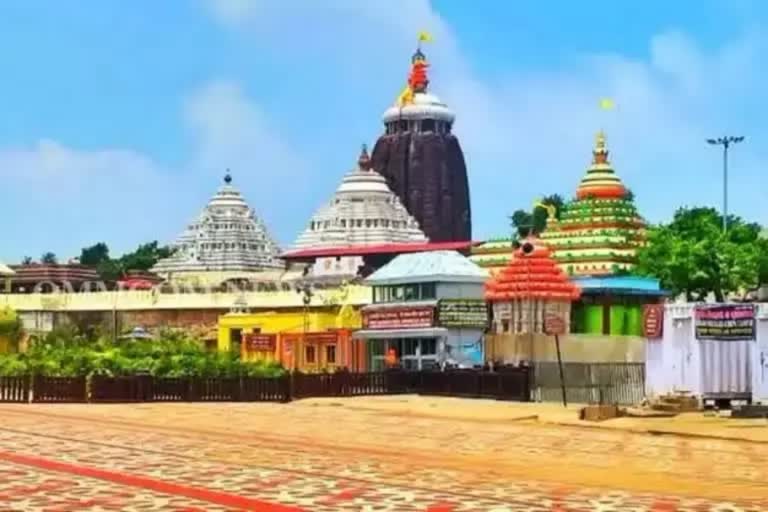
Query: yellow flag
<point>425,37</point>
<point>607,104</point>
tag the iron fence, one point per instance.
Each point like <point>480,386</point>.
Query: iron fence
<point>608,383</point>
<point>585,382</point>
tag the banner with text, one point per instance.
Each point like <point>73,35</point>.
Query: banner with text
<point>458,313</point>
<point>400,318</point>
<point>728,322</point>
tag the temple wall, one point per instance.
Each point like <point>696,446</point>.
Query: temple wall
<point>135,300</point>
<point>575,348</point>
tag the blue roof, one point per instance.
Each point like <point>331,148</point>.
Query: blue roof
<point>629,285</point>
<point>432,266</point>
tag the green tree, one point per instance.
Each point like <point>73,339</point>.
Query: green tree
<point>48,258</point>
<point>692,256</point>
<point>144,257</point>
<point>94,255</point>
<point>523,222</point>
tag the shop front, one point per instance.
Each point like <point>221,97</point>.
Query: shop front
<point>428,311</point>
<point>308,342</point>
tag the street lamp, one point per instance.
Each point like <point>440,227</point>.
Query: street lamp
<point>726,143</point>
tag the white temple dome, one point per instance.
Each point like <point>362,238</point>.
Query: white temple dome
<point>424,105</point>
<point>227,236</point>
<point>363,211</point>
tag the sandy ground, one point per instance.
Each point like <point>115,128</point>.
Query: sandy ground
<point>371,454</point>
<point>688,424</point>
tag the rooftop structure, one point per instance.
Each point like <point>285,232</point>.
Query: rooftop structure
<point>422,160</point>
<point>42,277</point>
<point>5,270</point>
<point>494,254</point>
<point>226,238</point>
<point>362,212</point>
<point>435,266</point>
<point>599,232</point>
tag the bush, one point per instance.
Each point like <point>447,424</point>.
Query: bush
<point>66,353</point>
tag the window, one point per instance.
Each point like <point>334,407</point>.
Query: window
<point>428,346</point>
<point>428,291</point>
<point>411,292</point>
<point>309,354</point>
<point>330,354</point>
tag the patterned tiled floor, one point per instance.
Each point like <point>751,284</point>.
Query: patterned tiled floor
<point>206,456</point>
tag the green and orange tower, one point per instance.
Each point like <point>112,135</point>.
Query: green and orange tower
<point>599,232</point>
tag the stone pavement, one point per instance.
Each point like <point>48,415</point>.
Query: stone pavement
<point>276,457</point>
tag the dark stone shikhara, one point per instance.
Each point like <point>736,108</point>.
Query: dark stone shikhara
<point>422,160</point>
<point>428,173</point>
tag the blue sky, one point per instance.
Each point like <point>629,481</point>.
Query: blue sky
<point>118,119</point>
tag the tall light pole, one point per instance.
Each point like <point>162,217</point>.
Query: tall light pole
<point>726,143</point>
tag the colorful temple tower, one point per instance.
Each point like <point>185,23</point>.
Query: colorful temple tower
<point>599,232</point>
<point>494,254</point>
<point>595,241</point>
<point>422,160</point>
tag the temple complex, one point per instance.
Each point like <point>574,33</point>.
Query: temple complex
<point>599,232</point>
<point>227,240</point>
<point>363,212</point>
<point>422,160</point>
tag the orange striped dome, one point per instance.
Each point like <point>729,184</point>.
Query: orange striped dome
<point>601,182</point>
<point>531,274</point>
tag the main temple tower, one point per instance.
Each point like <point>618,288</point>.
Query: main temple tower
<point>422,160</point>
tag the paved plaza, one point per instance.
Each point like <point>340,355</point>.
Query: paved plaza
<point>330,457</point>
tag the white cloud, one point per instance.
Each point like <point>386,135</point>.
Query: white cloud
<point>68,197</point>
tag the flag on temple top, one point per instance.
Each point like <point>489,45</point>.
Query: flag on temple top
<point>607,104</point>
<point>425,37</point>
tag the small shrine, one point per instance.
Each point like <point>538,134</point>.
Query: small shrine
<point>530,288</point>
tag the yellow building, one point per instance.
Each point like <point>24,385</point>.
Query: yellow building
<point>317,340</point>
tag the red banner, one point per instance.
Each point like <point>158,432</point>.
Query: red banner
<point>402,318</point>
<point>260,342</point>
<point>653,320</point>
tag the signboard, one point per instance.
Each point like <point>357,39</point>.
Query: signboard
<point>653,320</point>
<point>463,313</point>
<point>554,325</point>
<point>399,318</point>
<point>260,342</point>
<point>313,337</point>
<point>728,322</point>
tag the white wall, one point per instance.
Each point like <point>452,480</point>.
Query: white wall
<point>680,362</point>
<point>459,290</point>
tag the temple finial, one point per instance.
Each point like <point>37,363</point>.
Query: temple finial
<point>228,177</point>
<point>600,153</point>
<point>364,161</point>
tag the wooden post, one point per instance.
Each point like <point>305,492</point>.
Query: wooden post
<point>560,367</point>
